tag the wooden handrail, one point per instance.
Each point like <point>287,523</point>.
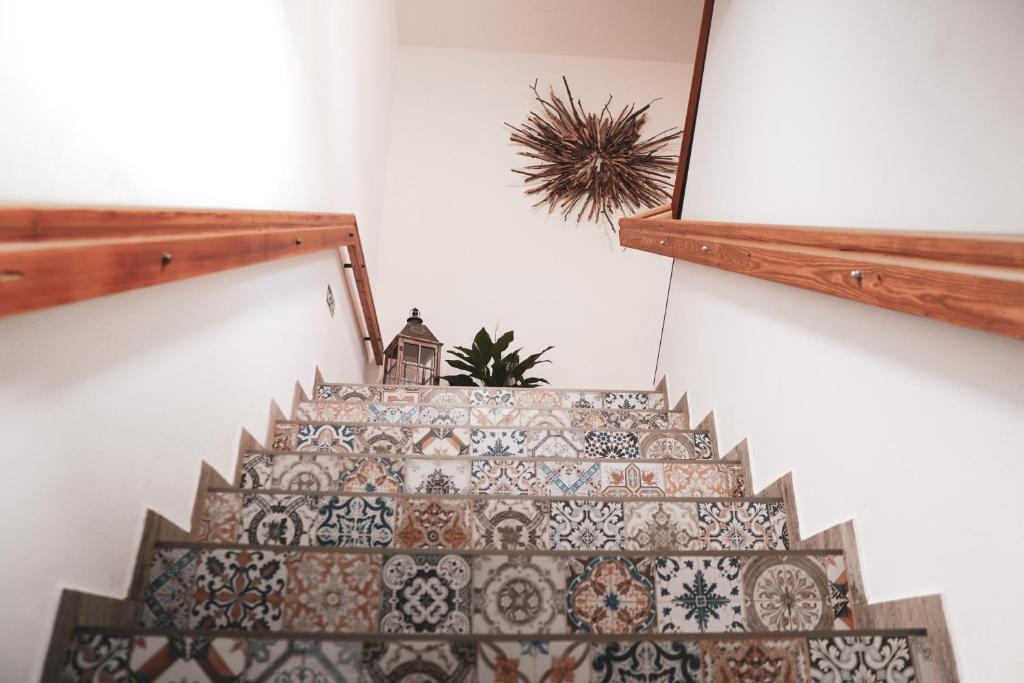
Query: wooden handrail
<point>690,124</point>
<point>51,256</point>
<point>975,280</point>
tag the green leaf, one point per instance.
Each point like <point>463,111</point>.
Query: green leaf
<point>502,344</point>
<point>459,380</point>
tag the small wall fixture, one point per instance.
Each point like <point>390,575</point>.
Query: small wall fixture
<point>165,259</point>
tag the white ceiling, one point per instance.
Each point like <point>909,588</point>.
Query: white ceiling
<point>656,30</point>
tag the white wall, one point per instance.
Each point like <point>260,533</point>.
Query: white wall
<point>108,406</point>
<point>462,242</point>
<point>878,114</point>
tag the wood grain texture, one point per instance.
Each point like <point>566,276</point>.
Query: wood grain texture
<point>56,256</point>
<point>971,281</point>
<point>358,260</point>
<point>927,611</point>
<point>690,125</point>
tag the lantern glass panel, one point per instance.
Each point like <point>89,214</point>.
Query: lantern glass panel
<point>427,356</point>
<point>410,352</point>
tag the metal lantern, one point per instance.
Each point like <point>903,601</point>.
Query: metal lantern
<point>414,356</point>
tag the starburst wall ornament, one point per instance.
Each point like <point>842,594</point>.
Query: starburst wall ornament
<point>593,164</point>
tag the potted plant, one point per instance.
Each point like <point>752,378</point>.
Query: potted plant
<point>486,363</point>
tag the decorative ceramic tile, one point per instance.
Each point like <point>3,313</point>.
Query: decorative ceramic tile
<point>306,472</point>
<point>656,401</point>
<point>333,412</point>
<point>97,658</point>
<point>434,523</point>
<point>492,397</point>
<point>347,393</point>
<point>696,480</point>
<point>611,445</point>
<point>662,526</point>
<point>787,593</point>
<point>668,445</point>
<point>401,395</point>
<point>773,661</point>
<point>298,661</point>
<point>171,581</point>
<point>632,479</point>
<point>555,443</point>
<point>545,419</point>
<point>500,477</point>
<point>583,399</point>
<point>533,662</point>
<point>699,594</point>
<point>642,420</point>
<point>313,436</point>
<point>836,660</point>
<point>506,442</point>
<point>157,659</point>
<point>239,589</point>
<point>563,478</point>
<point>256,470</point>
<point>743,525</point>
<point>511,525</point>
<point>586,525</point>
<point>371,474</point>
<point>437,476</point>
<point>387,439</point>
<point>444,417</point>
<point>278,520</point>
<point>611,595</point>
<point>590,418</point>
<point>676,421</point>
<point>445,396</point>
<point>419,662</point>
<point>490,416</point>
<point>393,413</point>
<point>649,662</point>
<point>540,398</point>
<point>702,446</point>
<point>625,400</point>
<point>356,522</point>
<point>221,520</point>
<point>519,594</point>
<point>440,441</point>
<point>839,589</point>
<point>426,594</point>
<point>926,664</point>
<point>332,592</point>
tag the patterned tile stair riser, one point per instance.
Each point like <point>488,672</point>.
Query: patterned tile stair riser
<point>890,657</point>
<point>453,522</point>
<point>490,475</point>
<point>261,589</point>
<point>499,398</point>
<point>387,439</point>
<point>489,416</point>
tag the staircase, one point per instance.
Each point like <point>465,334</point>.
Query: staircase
<point>509,535</point>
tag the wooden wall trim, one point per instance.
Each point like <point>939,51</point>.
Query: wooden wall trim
<point>973,280</point>
<point>52,256</point>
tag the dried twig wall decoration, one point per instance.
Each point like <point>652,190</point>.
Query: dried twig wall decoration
<point>593,164</point>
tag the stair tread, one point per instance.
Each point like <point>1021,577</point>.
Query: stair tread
<point>796,656</point>
<point>456,592</point>
<point>492,475</point>
<point>289,435</point>
<point>387,520</point>
<point>490,416</point>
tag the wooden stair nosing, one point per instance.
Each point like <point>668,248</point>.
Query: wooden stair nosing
<point>495,458</point>
<point>494,637</point>
<point>486,496</point>
<point>422,425</point>
<point>420,387</point>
